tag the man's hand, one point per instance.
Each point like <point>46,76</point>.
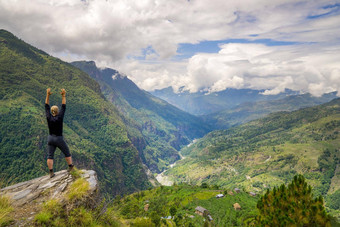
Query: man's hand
<point>63,92</point>
<point>63,95</point>
<point>48,91</point>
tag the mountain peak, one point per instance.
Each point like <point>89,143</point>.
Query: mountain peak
<point>117,76</point>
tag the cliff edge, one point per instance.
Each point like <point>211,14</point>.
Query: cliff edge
<point>28,198</point>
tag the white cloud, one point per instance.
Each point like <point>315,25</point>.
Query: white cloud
<point>114,32</point>
<point>307,68</point>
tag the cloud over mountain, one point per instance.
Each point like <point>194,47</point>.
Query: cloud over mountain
<point>142,39</point>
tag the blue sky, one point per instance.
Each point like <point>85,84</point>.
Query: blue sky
<point>206,45</point>
<point>187,50</point>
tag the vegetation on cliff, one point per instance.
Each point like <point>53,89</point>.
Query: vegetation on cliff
<point>5,210</point>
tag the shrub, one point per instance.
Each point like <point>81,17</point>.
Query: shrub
<point>81,217</point>
<point>333,200</point>
<point>142,222</point>
<point>204,185</point>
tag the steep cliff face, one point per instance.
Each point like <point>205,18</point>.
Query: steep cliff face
<point>28,198</point>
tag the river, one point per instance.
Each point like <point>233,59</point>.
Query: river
<point>165,180</point>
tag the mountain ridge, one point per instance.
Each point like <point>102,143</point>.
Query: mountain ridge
<point>203,103</point>
<point>254,110</point>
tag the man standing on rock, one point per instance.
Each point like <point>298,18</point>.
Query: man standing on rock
<point>55,127</point>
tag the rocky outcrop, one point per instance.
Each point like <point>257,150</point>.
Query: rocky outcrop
<point>27,197</point>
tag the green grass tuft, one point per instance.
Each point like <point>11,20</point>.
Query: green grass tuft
<point>81,217</point>
<point>43,218</point>
<point>76,173</point>
<point>78,189</point>
<point>5,210</point>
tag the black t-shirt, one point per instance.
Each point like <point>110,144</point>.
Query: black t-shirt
<point>55,123</point>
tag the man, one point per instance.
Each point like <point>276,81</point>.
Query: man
<point>55,127</point>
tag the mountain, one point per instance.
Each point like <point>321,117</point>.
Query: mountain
<point>267,152</point>
<point>93,128</point>
<point>165,128</point>
<point>254,110</point>
<point>203,103</point>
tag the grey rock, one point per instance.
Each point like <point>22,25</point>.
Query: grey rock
<point>21,194</point>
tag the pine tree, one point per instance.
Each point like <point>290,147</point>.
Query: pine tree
<point>293,205</point>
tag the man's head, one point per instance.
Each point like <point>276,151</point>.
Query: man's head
<point>54,110</point>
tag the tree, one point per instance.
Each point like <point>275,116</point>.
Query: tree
<point>173,211</point>
<point>204,185</point>
<point>292,206</point>
<point>155,218</point>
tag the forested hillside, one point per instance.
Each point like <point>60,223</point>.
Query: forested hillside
<point>270,151</point>
<point>165,128</point>
<point>93,127</point>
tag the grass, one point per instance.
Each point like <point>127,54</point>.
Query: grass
<point>53,206</point>
<point>43,218</point>
<point>78,189</point>
<point>76,173</point>
<point>5,210</point>
<point>51,209</point>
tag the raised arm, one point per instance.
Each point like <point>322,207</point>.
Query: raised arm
<point>63,95</point>
<point>48,93</point>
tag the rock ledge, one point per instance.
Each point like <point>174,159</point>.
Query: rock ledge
<point>28,196</point>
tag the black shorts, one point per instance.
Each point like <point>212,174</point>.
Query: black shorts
<point>56,141</point>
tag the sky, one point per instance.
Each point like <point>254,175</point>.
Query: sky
<point>195,45</point>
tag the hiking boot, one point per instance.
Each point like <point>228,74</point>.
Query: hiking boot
<point>70,168</point>
<point>52,174</point>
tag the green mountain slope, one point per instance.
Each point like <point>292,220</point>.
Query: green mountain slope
<point>165,128</point>
<point>254,110</point>
<point>270,151</point>
<point>93,127</point>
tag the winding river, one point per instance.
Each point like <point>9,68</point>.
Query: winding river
<point>165,180</point>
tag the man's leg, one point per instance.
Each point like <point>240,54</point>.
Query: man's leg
<point>69,160</point>
<point>64,148</point>
<point>50,156</point>
<point>50,163</point>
